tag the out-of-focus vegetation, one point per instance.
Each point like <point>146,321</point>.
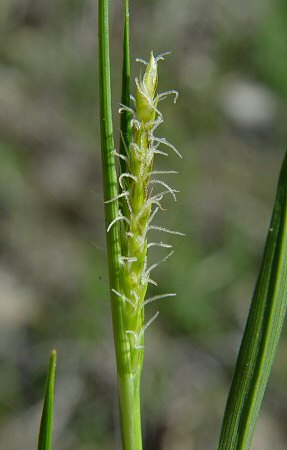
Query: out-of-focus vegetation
<point>229,63</point>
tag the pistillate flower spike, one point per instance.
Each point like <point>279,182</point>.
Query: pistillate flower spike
<point>137,211</point>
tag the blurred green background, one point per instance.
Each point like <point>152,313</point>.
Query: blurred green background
<point>229,64</point>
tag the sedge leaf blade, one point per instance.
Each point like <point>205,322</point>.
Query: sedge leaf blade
<point>262,332</point>
<point>125,125</point>
<point>45,433</point>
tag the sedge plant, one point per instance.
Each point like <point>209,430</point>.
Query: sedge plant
<point>130,207</point>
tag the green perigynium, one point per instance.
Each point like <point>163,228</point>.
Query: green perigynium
<point>139,203</point>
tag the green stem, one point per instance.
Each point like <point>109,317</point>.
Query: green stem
<point>128,384</point>
<point>129,394</point>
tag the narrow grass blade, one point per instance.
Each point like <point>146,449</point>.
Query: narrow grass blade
<point>45,434</point>
<point>110,182</point>
<point>106,121</point>
<point>126,74</point>
<point>262,332</point>
<point>110,179</point>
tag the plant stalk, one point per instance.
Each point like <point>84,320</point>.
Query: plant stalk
<point>128,383</point>
<point>129,395</point>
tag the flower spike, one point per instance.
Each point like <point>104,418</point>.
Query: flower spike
<point>137,211</point>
